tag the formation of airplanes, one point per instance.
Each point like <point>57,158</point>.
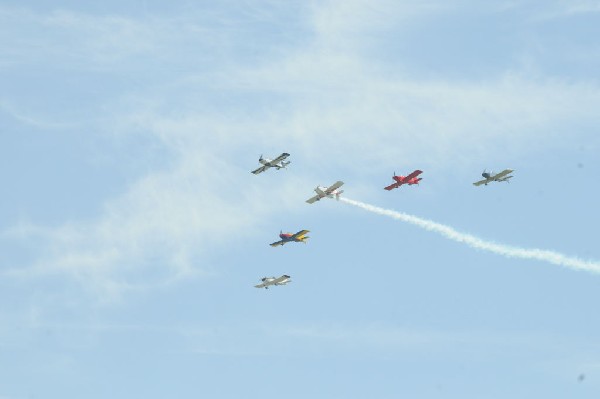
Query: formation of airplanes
<point>334,191</point>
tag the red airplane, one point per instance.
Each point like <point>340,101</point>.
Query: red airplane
<point>400,180</point>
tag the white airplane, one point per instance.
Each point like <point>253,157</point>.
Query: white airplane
<point>267,281</point>
<point>490,177</point>
<point>272,163</point>
<point>331,192</point>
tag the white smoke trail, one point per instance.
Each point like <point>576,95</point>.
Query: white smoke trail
<point>475,242</point>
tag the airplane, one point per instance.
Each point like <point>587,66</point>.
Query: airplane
<point>272,163</point>
<point>490,177</point>
<point>267,281</point>
<point>400,180</point>
<point>289,237</point>
<point>331,192</point>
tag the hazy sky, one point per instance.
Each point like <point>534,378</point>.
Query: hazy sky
<point>132,231</point>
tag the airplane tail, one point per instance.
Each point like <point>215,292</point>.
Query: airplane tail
<point>283,165</point>
<point>337,195</point>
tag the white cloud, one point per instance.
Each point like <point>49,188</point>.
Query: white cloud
<point>343,26</point>
<point>80,41</point>
<point>355,113</point>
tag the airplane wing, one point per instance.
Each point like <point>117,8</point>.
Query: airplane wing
<point>480,182</point>
<point>392,186</point>
<point>413,174</point>
<point>313,199</point>
<point>280,158</point>
<point>502,174</point>
<point>334,186</point>
<point>299,234</point>
<point>261,169</point>
<point>276,243</point>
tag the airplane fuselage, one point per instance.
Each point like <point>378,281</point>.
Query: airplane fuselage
<point>491,177</point>
<point>287,237</point>
<point>410,182</point>
<point>268,281</point>
<point>284,238</point>
<point>269,162</point>
<point>410,179</point>
<point>332,191</point>
<point>321,191</point>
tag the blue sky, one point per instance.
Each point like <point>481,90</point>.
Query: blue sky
<point>132,233</point>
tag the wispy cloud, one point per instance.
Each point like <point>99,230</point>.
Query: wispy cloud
<point>158,232</point>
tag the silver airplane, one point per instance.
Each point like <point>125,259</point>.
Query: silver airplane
<point>490,177</point>
<point>272,163</point>
<point>331,192</point>
<point>267,281</point>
